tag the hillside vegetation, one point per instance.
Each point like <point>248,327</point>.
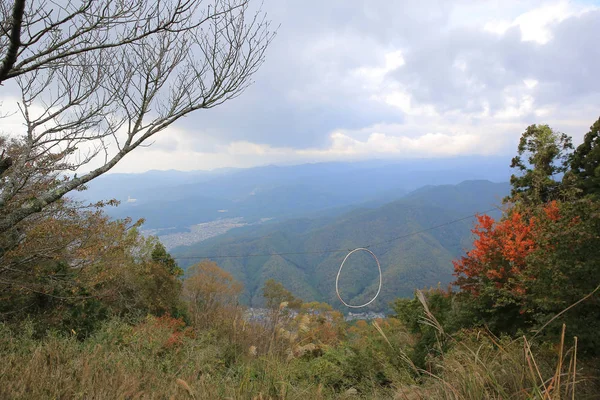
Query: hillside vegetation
<point>421,260</point>
<point>90,308</point>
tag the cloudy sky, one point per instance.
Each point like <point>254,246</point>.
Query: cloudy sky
<point>364,79</point>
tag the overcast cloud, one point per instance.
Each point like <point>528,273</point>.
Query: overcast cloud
<point>349,80</point>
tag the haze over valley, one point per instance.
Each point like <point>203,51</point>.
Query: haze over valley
<point>309,208</point>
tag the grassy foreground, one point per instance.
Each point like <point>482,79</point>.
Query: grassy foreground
<point>309,356</point>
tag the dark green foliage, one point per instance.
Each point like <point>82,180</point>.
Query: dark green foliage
<point>567,269</point>
<point>585,163</point>
<point>451,310</point>
<point>542,158</point>
<point>85,316</point>
<point>160,255</point>
<point>67,305</point>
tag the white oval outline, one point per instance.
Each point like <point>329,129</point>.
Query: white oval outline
<point>337,291</point>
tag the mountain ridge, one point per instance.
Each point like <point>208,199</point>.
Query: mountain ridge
<point>419,259</point>
<point>181,199</point>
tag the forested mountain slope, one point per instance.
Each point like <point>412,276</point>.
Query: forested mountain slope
<point>176,199</point>
<point>416,261</point>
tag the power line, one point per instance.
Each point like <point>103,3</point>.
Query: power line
<point>263,254</point>
<point>346,250</point>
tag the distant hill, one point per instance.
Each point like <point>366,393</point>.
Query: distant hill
<point>416,261</point>
<point>175,199</point>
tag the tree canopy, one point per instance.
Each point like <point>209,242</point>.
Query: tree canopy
<point>585,163</point>
<point>543,255</point>
<point>541,161</point>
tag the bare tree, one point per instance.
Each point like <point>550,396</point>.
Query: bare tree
<point>98,78</point>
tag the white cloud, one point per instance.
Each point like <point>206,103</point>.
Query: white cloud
<point>372,78</point>
<point>408,140</point>
<point>403,100</point>
<point>516,107</point>
<point>535,25</point>
<point>530,83</point>
<point>377,144</point>
<point>498,26</point>
<point>375,78</point>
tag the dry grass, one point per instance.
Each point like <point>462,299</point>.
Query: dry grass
<point>482,366</point>
<point>146,362</point>
<point>160,359</point>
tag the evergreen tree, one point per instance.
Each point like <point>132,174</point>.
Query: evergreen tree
<point>542,159</point>
<point>160,255</point>
<point>585,163</point>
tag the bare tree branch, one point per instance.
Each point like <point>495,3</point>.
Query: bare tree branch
<point>100,77</point>
<point>14,39</point>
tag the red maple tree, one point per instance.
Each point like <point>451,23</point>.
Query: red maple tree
<point>498,254</point>
<point>499,258</point>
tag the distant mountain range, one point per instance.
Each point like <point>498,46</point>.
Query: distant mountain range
<point>416,260</point>
<point>178,200</point>
<point>312,208</point>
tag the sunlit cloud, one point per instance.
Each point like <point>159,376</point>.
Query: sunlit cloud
<point>380,79</point>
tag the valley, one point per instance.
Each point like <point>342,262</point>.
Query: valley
<point>304,262</point>
<point>295,224</point>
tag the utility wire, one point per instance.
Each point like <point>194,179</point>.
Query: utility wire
<point>337,250</point>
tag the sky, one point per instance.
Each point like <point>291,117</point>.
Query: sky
<point>370,79</point>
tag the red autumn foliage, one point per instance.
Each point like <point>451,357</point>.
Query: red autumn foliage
<point>165,331</point>
<point>499,253</point>
<point>552,211</point>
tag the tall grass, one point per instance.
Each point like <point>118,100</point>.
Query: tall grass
<point>480,365</point>
<point>305,357</point>
<point>160,359</point>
